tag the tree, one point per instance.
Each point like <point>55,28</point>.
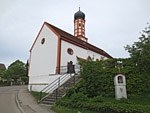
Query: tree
<point>16,70</point>
<point>27,67</point>
<point>140,51</point>
<point>2,72</point>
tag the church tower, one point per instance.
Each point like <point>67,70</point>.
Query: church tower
<point>79,25</point>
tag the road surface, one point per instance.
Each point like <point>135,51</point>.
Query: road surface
<point>8,99</point>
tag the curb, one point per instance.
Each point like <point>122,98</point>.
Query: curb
<point>18,103</point>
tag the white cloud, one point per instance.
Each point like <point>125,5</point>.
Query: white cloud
<point>110,24</point>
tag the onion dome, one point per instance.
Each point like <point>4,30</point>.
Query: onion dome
<point>79,15</point>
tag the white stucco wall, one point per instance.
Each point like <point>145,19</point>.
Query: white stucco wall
<point>37,83</point>
<point>40,82</point>
<point>43,60</point>
<point>77,51</point>
<point>44,57</point>
<point>94,55</point>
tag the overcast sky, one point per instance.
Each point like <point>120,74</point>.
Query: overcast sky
<point>110,24</point>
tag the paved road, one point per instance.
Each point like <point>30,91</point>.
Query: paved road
<point>7,99</point>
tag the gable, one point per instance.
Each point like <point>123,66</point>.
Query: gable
<point>43,30</point>
<point>71,39</point>
<point>44,53</point>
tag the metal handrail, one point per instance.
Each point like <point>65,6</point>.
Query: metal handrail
<point>53,86</point>
<point>51,83</point>
<point>64,69</point>
<point>59,82</point>
<point>49,86</point>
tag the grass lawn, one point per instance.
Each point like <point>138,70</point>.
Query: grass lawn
<point>36,94</point>
<point>132,100</point>
<point>140,99</point>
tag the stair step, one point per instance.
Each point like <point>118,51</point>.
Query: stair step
<point>58,93</point>
<point>51,99</point>
<point>51,96</point>
<point>54,97</point>
<point>48,102</point>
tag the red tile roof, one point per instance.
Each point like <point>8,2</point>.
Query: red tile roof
<point>70,37</point>
<point>82,59</point>
<point>2,66</point>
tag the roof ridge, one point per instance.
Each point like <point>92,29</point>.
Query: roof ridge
<point>78,41</point>
<point>66,33</point>
<point>60,29</point>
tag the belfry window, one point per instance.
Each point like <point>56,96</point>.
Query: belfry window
<point>79,24</point>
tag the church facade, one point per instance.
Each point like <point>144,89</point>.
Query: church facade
<point>54,48</point>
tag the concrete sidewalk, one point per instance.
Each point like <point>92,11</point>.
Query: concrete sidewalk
<point>28,104</point>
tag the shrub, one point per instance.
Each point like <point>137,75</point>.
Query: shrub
<point>105,107</point>
<point>70,92</point>
<point>97,99</point>
<point>97,78</point>
<point>77,97</point>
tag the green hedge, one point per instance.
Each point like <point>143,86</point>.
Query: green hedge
<point>105,107</point>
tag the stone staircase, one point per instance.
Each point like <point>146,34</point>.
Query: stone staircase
<point>60,91</point>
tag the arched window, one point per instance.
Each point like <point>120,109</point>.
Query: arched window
<point>79,24</point>
<point>83,25</point>
<point>120,79</point>
<point>89,58</point>
<point>97,59</point>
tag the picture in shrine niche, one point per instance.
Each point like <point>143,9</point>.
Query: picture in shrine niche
<point>120,79</point>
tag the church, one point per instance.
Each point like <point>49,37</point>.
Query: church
<point>54,48</point>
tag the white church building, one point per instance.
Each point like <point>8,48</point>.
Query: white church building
<point>54,48</point>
